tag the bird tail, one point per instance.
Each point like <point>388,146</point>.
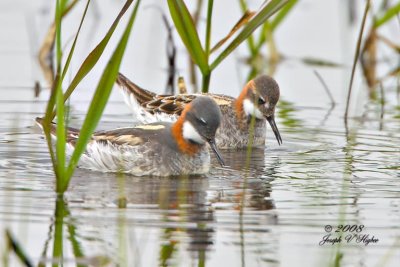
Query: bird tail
<point>141,95</point>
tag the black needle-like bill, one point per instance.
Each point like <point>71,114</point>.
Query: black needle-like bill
<point>214,148</point>
<point>271,120</point>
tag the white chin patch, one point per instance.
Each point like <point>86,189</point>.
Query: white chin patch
<point>250,109</point>
<point>190,133</point>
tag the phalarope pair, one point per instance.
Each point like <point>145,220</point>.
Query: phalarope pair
<point>164,149</point>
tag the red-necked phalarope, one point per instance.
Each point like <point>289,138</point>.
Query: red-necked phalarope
<point>160,149</point>
<point>258,98</point>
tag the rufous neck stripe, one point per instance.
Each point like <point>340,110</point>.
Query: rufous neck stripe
<point>177,132</point>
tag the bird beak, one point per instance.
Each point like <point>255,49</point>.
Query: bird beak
<point>271,120</point>
<point>214,148</point>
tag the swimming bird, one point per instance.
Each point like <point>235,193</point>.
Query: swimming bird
<point>160,149</point>
<point>258,98</point>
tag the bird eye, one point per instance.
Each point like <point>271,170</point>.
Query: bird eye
<point>261,101</point>
<point>202,121</point>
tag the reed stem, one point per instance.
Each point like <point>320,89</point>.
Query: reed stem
<point>367,5</point>
<point>208,28</point>
<point>206,82</point>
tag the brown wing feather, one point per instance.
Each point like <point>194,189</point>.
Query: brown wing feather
<point>167,104</point>
<point>132,135</point>
<point>142,95</point>
<point>171,107</point>
<point>174,104</point>
<point>170,104</point>
<point>120,139</point>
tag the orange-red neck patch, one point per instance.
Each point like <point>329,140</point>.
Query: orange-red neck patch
<point>177,132</point>
<point>239,101</point>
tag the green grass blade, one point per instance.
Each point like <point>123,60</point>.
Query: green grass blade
<point>63,4</point>
<point>56,88</point>
<point>94,56</point>
<point>281,15</point>
<point>45,51</point>
<point>55,85</point>
<point>71,52</point>
<point>208,28</point>
<point>241,22</point>
<point>187,31</point>
<point>60,132</point>
<point>61,139</point>
<point>260,18</point>
<point>59,5</point>
<point>390,13</point>
<point>68,7</point>
<point>101,96</point>
<point>207,74</point>
<point>47,123</point>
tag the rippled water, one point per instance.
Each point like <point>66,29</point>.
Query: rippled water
<point>274,213</point>
<point>322,175</point>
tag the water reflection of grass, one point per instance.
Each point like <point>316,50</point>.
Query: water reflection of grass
<point>122,222</point>
<point>62,219</point>
<point>182,204</point>
<point>286,112</point>
<point>13,245</point>
<point>397,115</point>
<point>169,246</point>
<point>338,251</point>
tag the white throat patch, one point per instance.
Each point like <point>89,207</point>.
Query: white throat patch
<point>250,109</point>
<point>189,132</point>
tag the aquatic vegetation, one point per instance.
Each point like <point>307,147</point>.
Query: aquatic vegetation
<point>356,55</point>
<point>63,169</point>
<point>369,53</point>
<point>45,53</point>
<point>200,55</point>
